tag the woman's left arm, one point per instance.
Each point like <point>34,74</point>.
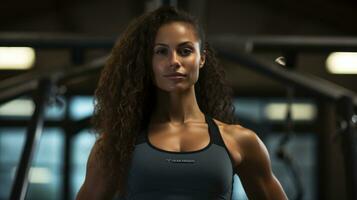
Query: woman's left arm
<point>255,170</point>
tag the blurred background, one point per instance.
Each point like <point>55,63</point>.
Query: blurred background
<point>303,111</point>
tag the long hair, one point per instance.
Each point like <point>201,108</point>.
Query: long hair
<point>125,93</point>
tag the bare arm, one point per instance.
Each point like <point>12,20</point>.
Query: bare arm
<point>255,171</point>
<point>97,184</point>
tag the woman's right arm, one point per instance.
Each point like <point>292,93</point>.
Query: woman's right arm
<point>97,183</point>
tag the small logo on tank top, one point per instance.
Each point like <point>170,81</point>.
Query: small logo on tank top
<point>180,161</point>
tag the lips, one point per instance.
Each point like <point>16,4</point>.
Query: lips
<point>176,74</point>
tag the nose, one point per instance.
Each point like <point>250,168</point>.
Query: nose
<point>174,60</point>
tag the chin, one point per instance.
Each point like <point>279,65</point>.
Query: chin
<point>174,89</point>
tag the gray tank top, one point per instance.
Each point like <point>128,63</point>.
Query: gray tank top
<point>165,175</point>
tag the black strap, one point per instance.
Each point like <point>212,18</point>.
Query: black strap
<point>214,131</point>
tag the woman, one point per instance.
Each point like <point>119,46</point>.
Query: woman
<point>167,124</point>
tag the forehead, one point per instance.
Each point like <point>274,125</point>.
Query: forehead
<point>176,32</point>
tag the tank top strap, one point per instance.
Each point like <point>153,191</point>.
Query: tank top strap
<point>216,137</point>
<point>214,131</point>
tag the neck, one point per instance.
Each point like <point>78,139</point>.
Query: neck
<point>177,108</point>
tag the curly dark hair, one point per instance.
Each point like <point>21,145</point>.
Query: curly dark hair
<point>125,93</point>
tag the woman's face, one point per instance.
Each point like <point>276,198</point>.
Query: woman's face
<point>177,59</point>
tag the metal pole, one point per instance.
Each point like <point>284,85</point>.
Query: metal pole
<point>67,151</point>
<point>330,169</point>
<point>349,141</point>
<point>33,136</point>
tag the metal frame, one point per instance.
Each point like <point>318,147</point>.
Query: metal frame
<point>33,136</point>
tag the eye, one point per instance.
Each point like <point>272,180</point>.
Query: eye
<point>161,51</point>
<point>186,51</point>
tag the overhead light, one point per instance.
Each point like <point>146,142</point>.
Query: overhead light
<point>342,63</point>
<point>17,108</point>
<point>300,111</point>
<point>16,57</point>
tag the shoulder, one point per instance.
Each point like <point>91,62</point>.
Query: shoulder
<point>97,183</point>
<point>246,140</point>
<point>238,132</point>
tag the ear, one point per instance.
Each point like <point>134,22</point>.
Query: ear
<point>203,58</point>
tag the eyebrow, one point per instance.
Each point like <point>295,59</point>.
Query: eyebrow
<point>181,44</point>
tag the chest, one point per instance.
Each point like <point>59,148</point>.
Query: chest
<point>190,139</point>
<point>179,139</point>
